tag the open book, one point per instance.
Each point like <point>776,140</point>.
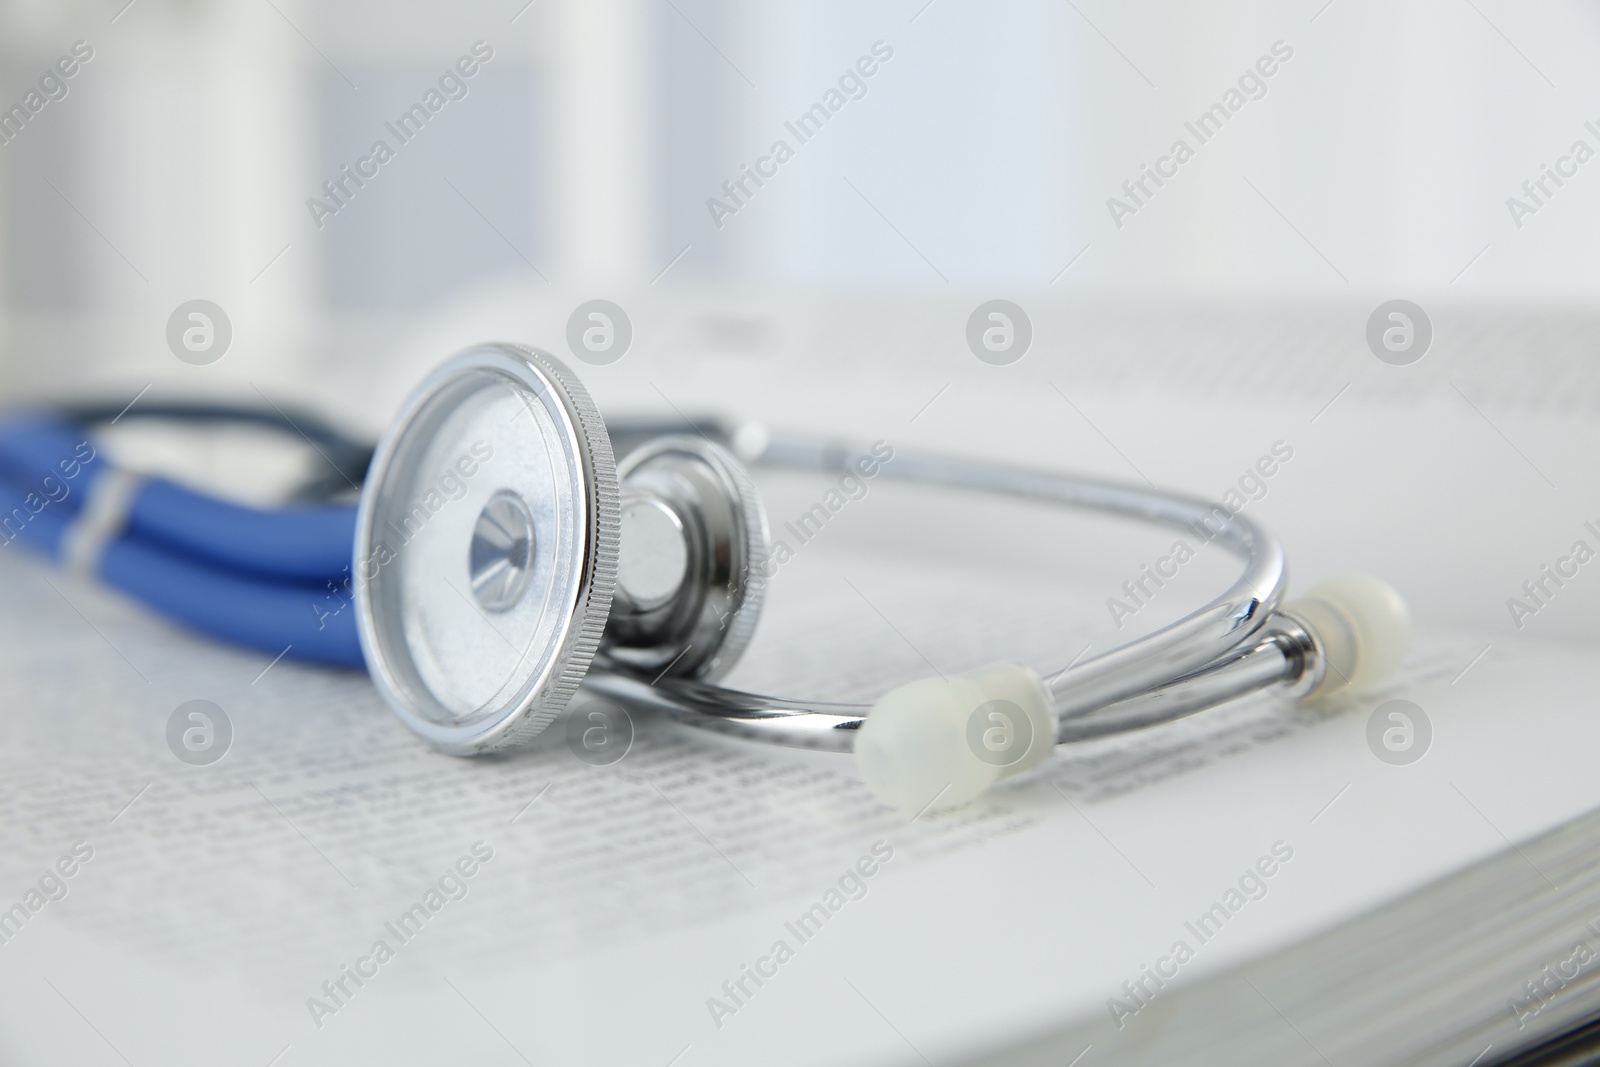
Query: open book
<point>1263,883</point>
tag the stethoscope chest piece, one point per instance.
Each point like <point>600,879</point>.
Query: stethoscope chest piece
<point>497,556</point>
<point>486,549</point>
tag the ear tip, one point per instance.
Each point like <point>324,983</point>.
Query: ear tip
<point>937,743</point>
<point>1363,624</point>
<point>911,749</point>
<point>1373,604</point>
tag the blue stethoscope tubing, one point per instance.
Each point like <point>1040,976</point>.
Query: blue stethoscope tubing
<point>276,580</point>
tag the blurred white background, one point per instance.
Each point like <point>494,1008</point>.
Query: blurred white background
<point>180,162</point>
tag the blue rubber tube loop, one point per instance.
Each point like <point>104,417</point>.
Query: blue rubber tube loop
<point>306,542</point>
<point>304,622</point>
<point>46,469</point>
<point>313,623</point>
<point>51,455</point>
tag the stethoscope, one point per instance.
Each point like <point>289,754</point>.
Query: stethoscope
<point>503,556</point>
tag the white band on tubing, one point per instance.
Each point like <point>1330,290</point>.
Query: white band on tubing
<point>100,521</point>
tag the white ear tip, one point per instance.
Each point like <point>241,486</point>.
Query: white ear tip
<point>911,750</point>
<point>1362,626</point>
<point>937,743</point>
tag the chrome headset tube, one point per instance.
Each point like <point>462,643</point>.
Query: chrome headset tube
<point>1172,651</point>
<point>1203,638</point>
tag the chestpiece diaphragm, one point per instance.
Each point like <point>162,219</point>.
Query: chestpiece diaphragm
<point>486,549</point>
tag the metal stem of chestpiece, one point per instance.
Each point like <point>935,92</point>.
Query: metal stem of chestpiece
<point>693,537</point>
